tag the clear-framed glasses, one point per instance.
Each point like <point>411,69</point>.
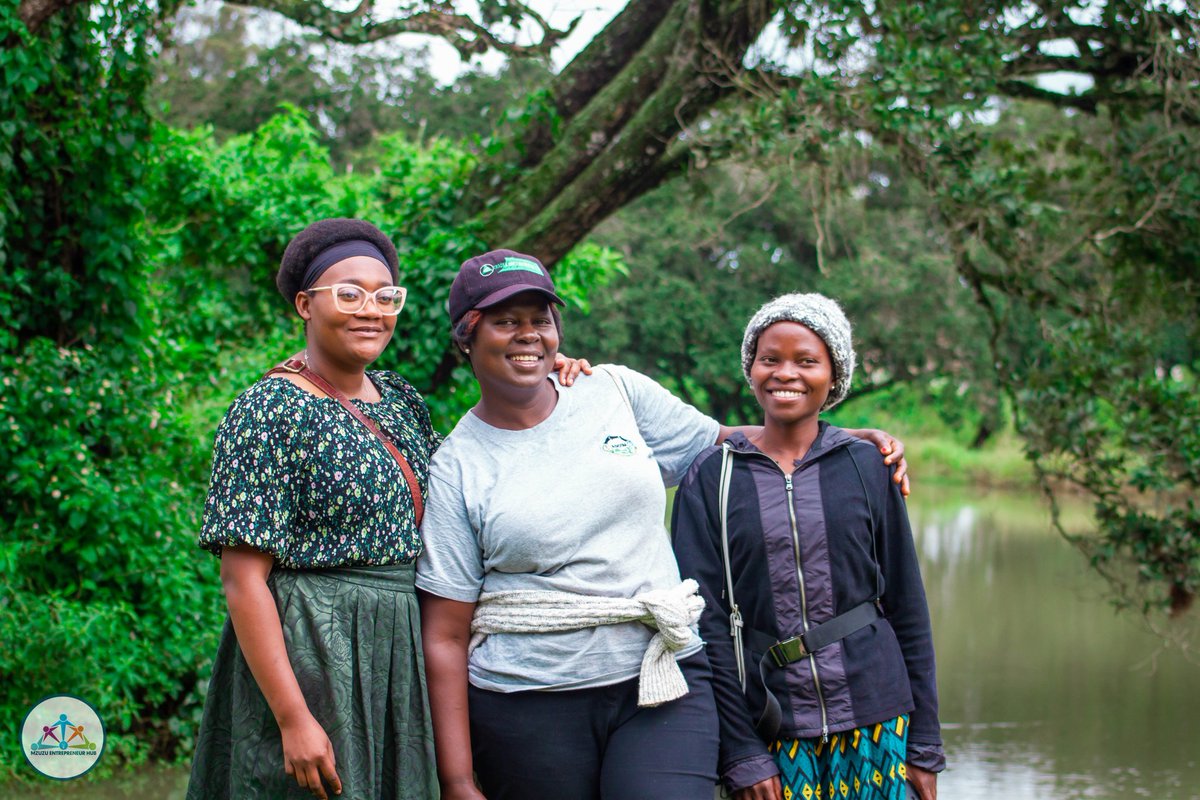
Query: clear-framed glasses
<point>349,298</point>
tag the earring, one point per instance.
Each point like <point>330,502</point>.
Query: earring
<point>467,351</point>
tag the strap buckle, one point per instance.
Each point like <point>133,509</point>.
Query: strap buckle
<point>293,365</point>
<point>788,651</point>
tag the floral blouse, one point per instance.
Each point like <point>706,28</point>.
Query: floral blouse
<point>295,476</point>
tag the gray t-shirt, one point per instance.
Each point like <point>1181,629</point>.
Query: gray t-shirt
<point>573,504</point>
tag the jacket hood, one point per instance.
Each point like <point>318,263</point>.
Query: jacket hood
<point>829,438</point>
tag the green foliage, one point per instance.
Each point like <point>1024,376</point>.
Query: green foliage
<point>217,74</point>
<point>1076,230</point>
<point>225,212</point>
<point>856,229</point>
<point>71,166</point>
<point>103,595</point>
<point>1133,446</point>
<point>98,486</point>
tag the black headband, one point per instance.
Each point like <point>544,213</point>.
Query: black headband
<point>340,252</point>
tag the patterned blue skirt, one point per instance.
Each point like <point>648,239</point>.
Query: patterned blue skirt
<point>862,764</point>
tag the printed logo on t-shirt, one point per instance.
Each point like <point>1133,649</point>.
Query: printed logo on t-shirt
<point>618,445</point>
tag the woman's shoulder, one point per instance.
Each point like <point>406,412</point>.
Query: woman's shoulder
<point>404,391</point>
<point>393,380</point>
<point>865,455</point>
<point>268,403</point>
<point>704,472</point>
<point>613,380</point>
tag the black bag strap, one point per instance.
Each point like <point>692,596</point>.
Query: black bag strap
<point>781,653</point>
<point>735,613</point>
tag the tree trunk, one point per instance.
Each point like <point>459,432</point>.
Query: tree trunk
<point>34,13</point>
<point>616,111</point>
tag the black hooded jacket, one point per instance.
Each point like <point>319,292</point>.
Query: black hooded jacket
<point>845,540</point>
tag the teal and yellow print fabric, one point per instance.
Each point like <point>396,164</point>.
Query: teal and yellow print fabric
<point>295,476</point>
<point>861,764</point>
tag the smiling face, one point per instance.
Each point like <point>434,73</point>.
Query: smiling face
<point>514,345</point>
<point>792,373</point>
<point>349,340</point>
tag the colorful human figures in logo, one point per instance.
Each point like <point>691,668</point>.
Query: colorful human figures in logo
<point>60,738</point>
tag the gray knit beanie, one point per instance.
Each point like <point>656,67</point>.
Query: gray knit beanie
<point>823,317</point>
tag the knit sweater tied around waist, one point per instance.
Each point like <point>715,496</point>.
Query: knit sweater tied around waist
<point>671,612</point>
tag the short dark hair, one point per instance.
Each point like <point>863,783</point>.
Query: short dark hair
<point>318,236</point>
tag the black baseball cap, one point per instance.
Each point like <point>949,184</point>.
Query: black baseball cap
<point>484,281</point>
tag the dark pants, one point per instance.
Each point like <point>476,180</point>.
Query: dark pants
<point>596,744</point>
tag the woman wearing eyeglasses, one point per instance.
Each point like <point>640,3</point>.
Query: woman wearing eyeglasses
<point>319,685</point>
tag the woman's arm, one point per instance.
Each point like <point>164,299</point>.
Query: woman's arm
<point>744,763</point>
<point>445,633</point>
<point>307,752</point>
<point>891,447</point>
<point>908,613</point>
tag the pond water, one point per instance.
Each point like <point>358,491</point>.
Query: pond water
<point>1046,693</point>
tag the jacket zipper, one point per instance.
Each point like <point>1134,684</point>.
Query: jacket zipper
<point>812,661</point>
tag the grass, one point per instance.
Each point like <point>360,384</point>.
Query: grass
<point>937,451</point>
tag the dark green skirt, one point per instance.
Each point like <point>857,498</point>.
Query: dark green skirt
<point>353,636</point>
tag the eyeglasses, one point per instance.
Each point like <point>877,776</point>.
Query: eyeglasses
<point>351,299</point>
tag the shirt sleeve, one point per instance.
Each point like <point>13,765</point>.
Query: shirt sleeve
<point>675,431</point>
<point>908,613</point>
<point>252,492</point>
<point>452,564</point>
<point>420,410</point>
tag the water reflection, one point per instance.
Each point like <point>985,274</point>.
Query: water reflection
<point>1045,691</point>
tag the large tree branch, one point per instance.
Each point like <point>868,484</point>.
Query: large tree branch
<point>1104,64</point>
<point>607,55</point>
<point>431,17</point>
<point>1020,90</point>
<point>512,204</point>
<point>701,72</point>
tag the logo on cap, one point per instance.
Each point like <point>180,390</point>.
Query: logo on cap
<point>511,264</point>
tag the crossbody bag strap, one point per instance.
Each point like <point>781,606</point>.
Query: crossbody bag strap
<point>620,388</point>
<point>298,367</point>
<point>735,613</point>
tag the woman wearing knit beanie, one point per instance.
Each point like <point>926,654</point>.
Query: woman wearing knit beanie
<point>817,627</point>
<point>563,664</point>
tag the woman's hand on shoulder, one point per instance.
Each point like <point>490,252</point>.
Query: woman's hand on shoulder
<point>893,453</point>
<point>308,756</point>
<point>568,368</point>
<point>770,789</point>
